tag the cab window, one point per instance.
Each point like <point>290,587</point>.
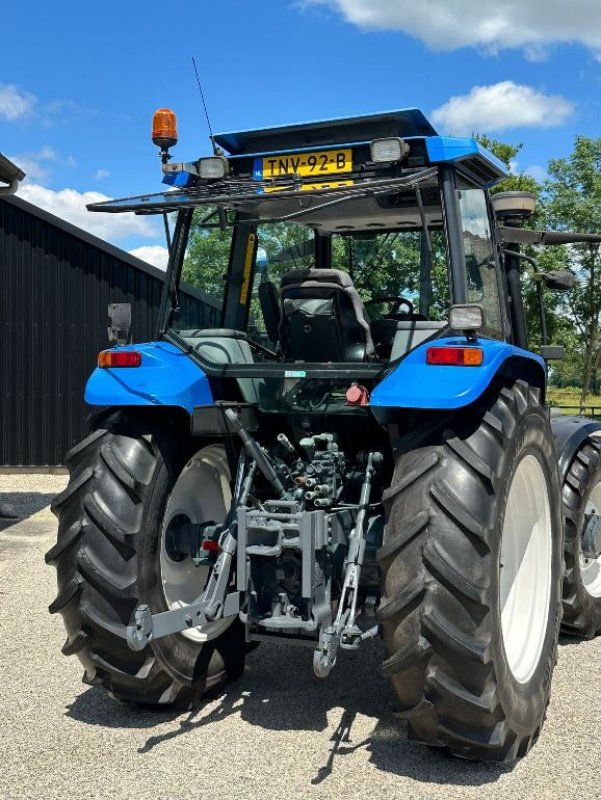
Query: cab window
<point>480,263</point>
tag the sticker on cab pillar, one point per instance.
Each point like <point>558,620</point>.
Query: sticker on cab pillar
<point>248,265</point>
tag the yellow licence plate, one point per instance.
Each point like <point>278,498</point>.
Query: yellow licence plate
<point>310,187</point>
<point>324,162</point>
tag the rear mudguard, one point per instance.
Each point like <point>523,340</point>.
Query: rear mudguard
<point>166,377</point>
<point>415,384</point>
<point>569,433</point>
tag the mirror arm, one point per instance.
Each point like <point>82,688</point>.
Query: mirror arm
<point>532,261</point>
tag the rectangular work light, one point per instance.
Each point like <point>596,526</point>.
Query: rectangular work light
<point>213,168</point>
<point>387,150</point>
<point>468,317</point>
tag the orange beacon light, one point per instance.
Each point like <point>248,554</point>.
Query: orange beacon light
<point>164,129</point>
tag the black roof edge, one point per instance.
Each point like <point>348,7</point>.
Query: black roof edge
<point>9,171</point>
<point>108,248</point>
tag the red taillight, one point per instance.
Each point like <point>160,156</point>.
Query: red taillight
<point>455,356</point>
<point>119,358</point>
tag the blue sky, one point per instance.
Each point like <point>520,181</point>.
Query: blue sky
<point>79,82</point>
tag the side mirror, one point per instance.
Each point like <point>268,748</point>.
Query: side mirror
<point>119,323</point>
<point>559,280</point>
<point>552,352</point>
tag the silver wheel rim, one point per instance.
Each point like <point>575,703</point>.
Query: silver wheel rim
<point>202,493</point>
<point>590,568</point>
<point>525,569</point>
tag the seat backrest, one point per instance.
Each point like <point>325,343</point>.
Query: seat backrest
<point>269,298</point>
<point>323,317</point>
<point>411,333</point>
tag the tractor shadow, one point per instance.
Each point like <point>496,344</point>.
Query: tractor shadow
<point>278,692</point>
<point>25,505</point>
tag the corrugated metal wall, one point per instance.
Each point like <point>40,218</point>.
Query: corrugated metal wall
<point>55,285</point>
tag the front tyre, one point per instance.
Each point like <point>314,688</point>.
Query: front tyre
<point>127,480</point>
<point>472,565</point>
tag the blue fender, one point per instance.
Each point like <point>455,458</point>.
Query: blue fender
<point>166,377</point>
<point>416,384</point>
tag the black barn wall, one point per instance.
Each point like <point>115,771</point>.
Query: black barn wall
<point>56,282</point>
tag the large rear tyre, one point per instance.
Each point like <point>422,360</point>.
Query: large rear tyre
<point>581,496</point>
<point>471,565</point>
<point>127,480</point>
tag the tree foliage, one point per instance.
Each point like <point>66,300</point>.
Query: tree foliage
<point>570,199</point>
<point>573,202</point>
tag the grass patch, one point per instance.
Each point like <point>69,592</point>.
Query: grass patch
<point>570,396</point>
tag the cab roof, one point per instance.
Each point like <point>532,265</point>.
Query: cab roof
<point>405,123</point>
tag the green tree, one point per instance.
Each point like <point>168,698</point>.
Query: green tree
<point>560,320</point>
<point>206,261</point>
<point>573,202</point>
<point>508,154</point>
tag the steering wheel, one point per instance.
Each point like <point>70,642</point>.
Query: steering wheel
<point>395,312</point>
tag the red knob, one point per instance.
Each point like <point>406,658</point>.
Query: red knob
<point>357,395</point>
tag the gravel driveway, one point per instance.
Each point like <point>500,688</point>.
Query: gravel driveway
<point>276,733</point>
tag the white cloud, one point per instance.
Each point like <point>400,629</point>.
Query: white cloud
<point>100,174</point>
<point>15,104</point>
<point>70,205</point>
<point>499,107</point>
<point>153,254</point>
<point>537,172</point>
<point>38,166</point>
<point>489,24</point>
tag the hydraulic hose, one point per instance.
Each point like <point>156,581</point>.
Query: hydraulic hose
<point>255,452</point>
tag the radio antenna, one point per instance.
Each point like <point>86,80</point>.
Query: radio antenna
<point>204,105</point>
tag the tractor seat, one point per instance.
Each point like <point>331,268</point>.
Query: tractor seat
<point>323,318</point>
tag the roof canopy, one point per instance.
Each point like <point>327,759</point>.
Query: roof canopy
<point>406,123</point>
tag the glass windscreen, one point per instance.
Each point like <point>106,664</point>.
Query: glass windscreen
<point>407,268</point>
<point>397,282</point>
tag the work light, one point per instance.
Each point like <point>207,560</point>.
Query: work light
<point>469,317</point>
<point>212,168</point>
<point>388,149</point>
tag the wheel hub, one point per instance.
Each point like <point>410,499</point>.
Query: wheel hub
<point>591,537</point>
<point>199,499</point>
<point>195,540</point>
<point>590,544</point>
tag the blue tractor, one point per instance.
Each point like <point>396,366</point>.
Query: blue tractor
<point>361,448</point>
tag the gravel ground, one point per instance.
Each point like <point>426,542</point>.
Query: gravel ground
<point>275,733</point>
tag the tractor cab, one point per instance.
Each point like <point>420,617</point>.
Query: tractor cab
<point>341,245</point>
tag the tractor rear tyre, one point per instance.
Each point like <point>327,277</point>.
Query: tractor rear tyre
<point>471,568</point>
<point>581,496</point>
<point>128,479</point>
